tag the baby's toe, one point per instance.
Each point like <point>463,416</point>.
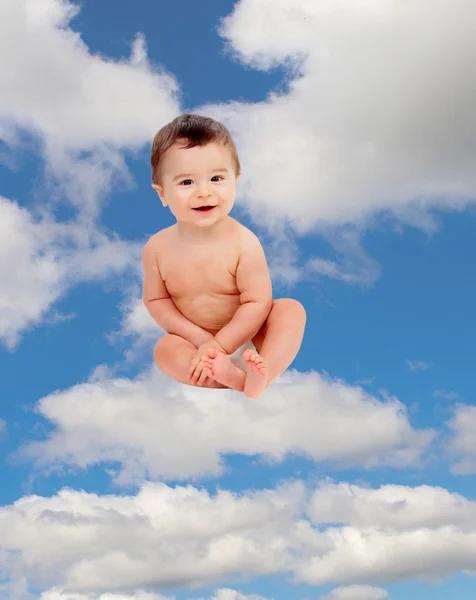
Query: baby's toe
<point>247,354</point>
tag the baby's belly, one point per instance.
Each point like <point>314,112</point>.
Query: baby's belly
<point>209,312</point>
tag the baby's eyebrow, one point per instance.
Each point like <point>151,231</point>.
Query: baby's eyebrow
<point>189,175</point>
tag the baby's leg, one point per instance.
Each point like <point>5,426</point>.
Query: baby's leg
<point>278,343</point>
<point>173,356</point>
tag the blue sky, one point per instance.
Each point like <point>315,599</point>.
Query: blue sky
<point>351,478</point>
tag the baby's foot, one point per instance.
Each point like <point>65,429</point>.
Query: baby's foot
<point>218,366</point>
<point>257,374</point>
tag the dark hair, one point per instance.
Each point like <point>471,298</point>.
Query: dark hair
<point>197,131</point>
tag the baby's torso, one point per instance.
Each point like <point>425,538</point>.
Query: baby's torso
<point>201,278</point>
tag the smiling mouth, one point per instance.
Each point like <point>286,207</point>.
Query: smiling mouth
<point>204,208</point>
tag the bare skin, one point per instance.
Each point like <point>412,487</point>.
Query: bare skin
<point>185,274</point>
<point>206,281</point>
<point>219,367</point>
<point>277,343</point>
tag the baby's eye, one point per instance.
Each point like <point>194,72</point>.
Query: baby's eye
<point>186,182</point>
<point>217,177</point>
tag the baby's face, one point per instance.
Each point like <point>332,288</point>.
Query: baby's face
<point>198,177</point>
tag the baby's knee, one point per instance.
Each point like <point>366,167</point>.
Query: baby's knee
<point>158,350</point>
<point>298,307</point>
<point>168,345</point>
<point>294,307</point>
<point>163,347</point>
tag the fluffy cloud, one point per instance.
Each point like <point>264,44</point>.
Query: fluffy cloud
<point>228,594</point>
<point>137,330</point>
<point>375,117</point>
<point>162,537</point>
<point>85,111</point>
<point>356,592</point>
<point>392,533</point>
<point>183,536</point>
<point>84,108</point>
<point>57,594</point>
<point>137,321</point>
<point>49,258</point>
<point>462,442</point>
<point>156,428</point>
<point>391,506</point>
<point>220,594</point>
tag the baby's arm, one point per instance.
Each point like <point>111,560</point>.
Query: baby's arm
<point>254,283</point>
<point>160,305</point>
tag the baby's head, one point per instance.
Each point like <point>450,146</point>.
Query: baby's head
<point>190,131</point>
<point>195,163</point>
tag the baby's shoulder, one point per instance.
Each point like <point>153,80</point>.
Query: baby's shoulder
<point>241,233</point>
<point>238,238</point>
<point>156,241</point>
<point>246,238</point>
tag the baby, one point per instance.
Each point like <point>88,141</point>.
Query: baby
<point>206,281</point>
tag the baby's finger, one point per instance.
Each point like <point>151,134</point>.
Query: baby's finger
<point>196,373</point>
<point>203,377</point>
<point>193,365</point>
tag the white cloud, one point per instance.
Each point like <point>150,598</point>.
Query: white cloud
<point>353,554</point>
<point>364,382</point>
<point>390,506</point>
<point>220,594</point>
<point>85,108</point>
<point>161,537</point>
<point>27,290</point>
<point>388,534</point>
<point>137,321</point>
<point>138,332</point>
<point>228,594</point>
<point>375,117</point>
<point>85,111</point>
<point>49,258</point>
<point>156,428</point>
<point>418,365</point>
<point>356,267</point>
<point>181,536</point>
<point>462,443</point>
<point>446,395</point>
<point>58,594</point>
<point>356,592</point>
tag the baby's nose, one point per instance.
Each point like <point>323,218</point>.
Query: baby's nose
<point>204,191</point>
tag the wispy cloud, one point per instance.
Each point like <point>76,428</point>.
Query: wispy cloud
<point>367,381</point>
<point>446,395</point>
<point>418,365</point>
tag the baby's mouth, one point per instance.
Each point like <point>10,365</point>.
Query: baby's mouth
<point>204,208</point>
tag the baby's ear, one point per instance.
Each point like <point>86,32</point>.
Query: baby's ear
<point>160,192</point>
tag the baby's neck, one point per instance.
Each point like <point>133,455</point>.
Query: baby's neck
<point>199,235</point>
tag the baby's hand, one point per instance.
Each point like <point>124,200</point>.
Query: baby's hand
<point>196,373</point>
